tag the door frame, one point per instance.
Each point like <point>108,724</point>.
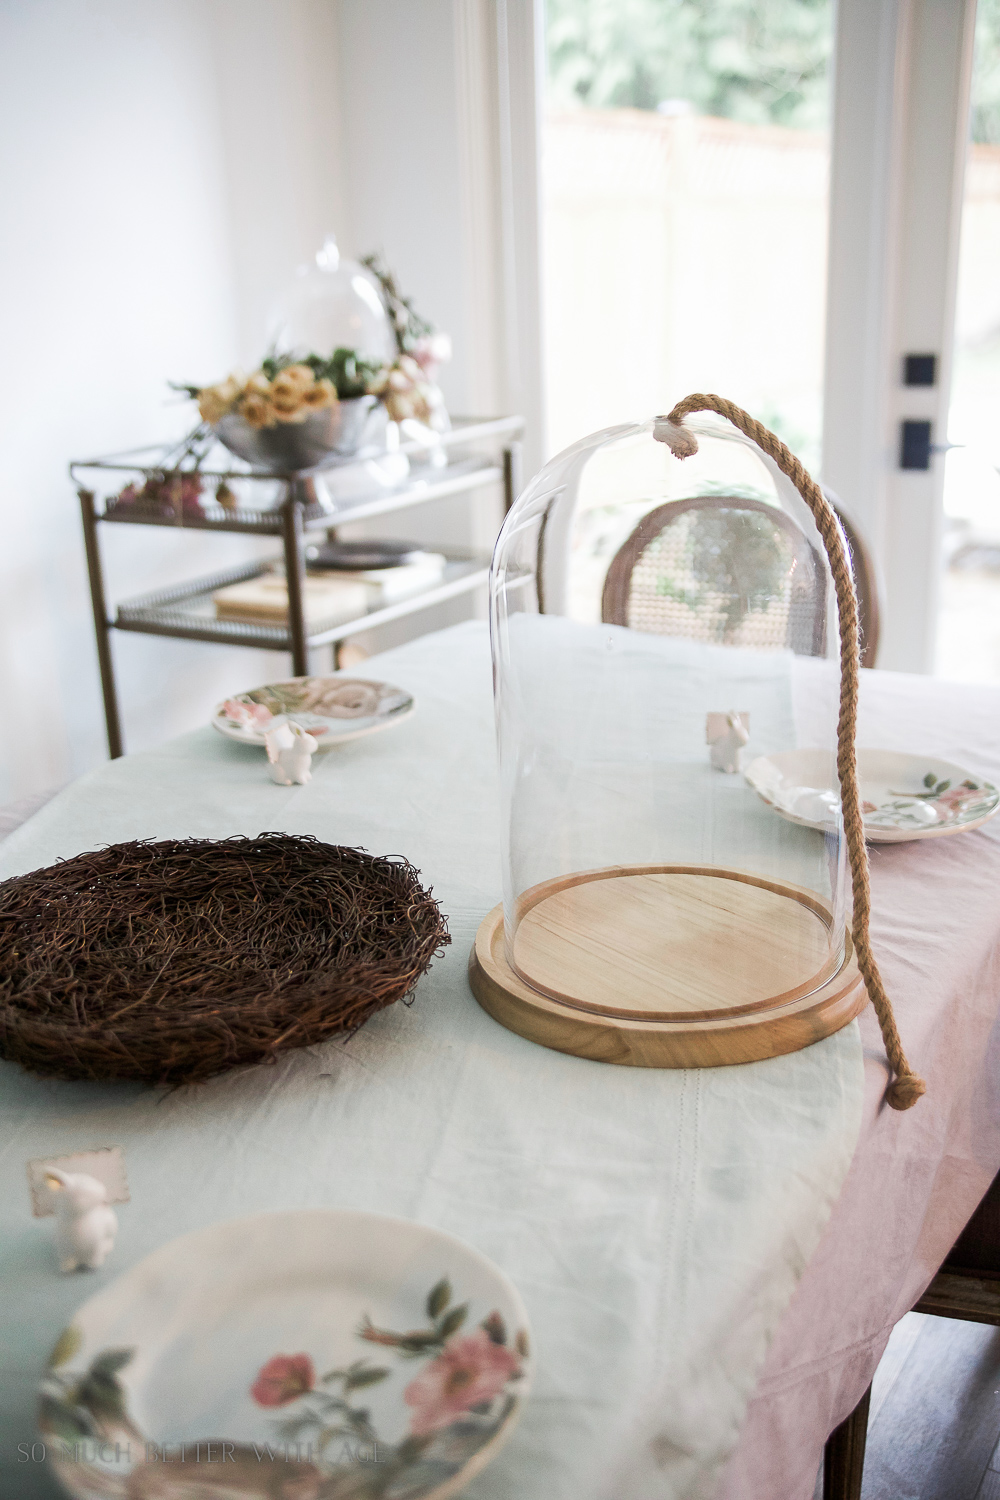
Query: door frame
<point>901,87</point>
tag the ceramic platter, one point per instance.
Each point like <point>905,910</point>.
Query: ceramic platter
<point>332,709</point>
<point>315,1355</point>
<point>904,797</point>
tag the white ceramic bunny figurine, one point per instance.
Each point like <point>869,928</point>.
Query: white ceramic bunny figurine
<point>289,751</point>
<point>86,1224</point>
<point>727,740</point>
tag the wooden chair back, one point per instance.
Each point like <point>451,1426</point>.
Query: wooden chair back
<point>720,569</point>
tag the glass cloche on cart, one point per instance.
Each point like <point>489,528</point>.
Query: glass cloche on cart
<point>332,304</point>
<point>666,668</point>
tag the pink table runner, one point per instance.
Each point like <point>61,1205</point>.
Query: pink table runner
<point>916,1177</point>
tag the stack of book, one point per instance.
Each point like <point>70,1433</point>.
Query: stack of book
<point>387,584</point>
<point>264,601</point>
<point>328,597</point>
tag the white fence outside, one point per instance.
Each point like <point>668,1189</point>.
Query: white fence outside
<point>683,254</point>
<point>687,253</point>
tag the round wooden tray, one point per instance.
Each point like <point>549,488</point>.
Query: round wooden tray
<point>668,966</point>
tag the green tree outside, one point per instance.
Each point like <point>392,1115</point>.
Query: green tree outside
<point>765,62</point>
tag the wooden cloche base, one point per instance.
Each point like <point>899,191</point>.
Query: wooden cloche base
<point>668,966</point>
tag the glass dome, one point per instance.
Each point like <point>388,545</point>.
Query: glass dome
<point>333,304</point>
<point>667,678</point>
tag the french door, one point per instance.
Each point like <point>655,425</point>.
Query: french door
<point>802,263</point>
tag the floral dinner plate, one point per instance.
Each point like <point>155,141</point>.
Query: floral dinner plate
<point>312,1355</point>
<point>903,797</point>
<point>332,709</point>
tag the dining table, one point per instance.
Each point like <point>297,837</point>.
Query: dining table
<point>711,1260</point>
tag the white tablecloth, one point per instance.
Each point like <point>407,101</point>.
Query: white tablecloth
<point>655,1222</point>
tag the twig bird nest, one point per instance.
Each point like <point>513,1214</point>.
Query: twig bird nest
<point>170,962</point>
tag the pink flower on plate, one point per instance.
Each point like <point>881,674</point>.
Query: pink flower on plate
<point>284,1378</point>
<point>468,1372</point>
<point>957,795</point>
<point>250,715</point>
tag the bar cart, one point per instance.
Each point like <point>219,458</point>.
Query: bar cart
<point>186,610</point>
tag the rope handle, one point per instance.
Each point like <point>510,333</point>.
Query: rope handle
<point>907,1087</point>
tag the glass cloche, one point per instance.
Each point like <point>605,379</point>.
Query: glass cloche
<point>667,676</point>
<point>331,304</point>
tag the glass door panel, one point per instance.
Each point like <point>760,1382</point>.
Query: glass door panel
<point>685,191</point>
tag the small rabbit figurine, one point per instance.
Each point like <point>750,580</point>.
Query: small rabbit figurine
<point>86,1224</point>
<point>289,751</point>
<point>727,734</point>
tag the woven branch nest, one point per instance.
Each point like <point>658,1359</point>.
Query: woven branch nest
<point>170,962</point>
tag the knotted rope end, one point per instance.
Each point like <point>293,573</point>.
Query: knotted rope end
<point>681,442</point>
<point>905,1091</point>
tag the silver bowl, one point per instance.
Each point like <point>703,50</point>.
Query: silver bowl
<point>351,429</point>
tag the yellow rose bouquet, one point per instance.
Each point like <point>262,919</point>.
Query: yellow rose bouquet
<point>288,388</point>
<point>282,390</point>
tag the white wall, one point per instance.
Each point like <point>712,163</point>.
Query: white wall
<point>162,167</point>
<point>278,92</point>
<point>421,176</point>
<point>401,197</point>
<point>401,160</point>
<point>405,180</point>
<point>425,145</point>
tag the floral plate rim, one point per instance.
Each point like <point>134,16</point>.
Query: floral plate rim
<point>457,1416</point>
<point>939,778</point>
<point>241,734</point>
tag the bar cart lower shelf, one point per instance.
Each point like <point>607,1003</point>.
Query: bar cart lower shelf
<point>186,611</point>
